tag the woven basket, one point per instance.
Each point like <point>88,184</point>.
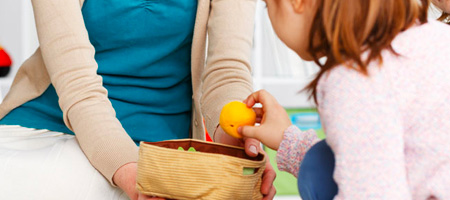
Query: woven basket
<point>214,171</point>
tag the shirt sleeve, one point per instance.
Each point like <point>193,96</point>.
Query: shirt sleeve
<point>293,148</point>
<point>69,59</point>
<point>364,129</point>
<point>227,75</point>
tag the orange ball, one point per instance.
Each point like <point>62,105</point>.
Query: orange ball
<point>234,115</point>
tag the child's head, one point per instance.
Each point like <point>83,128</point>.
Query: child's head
<point>291,20</point>
<point>341,29</point>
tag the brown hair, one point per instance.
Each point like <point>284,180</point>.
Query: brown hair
<point>342,30</point>
<point>445,17</point>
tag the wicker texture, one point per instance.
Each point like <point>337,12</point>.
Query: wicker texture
<point>170,173</point>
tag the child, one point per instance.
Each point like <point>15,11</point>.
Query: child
<point>383,96</point>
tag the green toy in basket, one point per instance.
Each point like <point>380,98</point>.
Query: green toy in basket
<point>190,149</point>
<point>5,62</point>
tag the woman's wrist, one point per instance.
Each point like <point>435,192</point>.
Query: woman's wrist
<point>125,178</point>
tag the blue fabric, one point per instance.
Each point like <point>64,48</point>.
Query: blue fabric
<point>143,50</point>
<point>315,178</point>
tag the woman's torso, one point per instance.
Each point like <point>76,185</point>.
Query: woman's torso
<point>143,51</point>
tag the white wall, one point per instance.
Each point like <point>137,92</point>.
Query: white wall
<point>17,34</point>
<point>278,69</point>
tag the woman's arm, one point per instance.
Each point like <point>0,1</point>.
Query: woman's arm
<point>69,59</point>
<point>227,76</point>
<point>364,129</point>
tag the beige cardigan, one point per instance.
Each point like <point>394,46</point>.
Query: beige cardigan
<point>65,59</point>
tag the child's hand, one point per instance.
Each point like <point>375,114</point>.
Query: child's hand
<point>272,117</point>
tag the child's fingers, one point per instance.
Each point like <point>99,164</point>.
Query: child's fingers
<point>258,120</point>
<point>259,112</point>
<point>249,131</point>
<point>249,101</point>
<point>263,97</point>
<point>252,99</point>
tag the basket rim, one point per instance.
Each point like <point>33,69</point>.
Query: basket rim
<point>194,140</point>
<point>146,145</point>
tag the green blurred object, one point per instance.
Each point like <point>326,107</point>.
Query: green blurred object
<point>286,183</point>
<point>191,149</point>
<point>248,171</point>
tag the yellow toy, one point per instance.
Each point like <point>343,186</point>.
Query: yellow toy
<point>234,115</point>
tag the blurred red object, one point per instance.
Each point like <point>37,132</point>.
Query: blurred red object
<point>5,62</point>
<point>207,137</point>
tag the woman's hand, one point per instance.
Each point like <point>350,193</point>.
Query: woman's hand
<point>272,117</point>
<point>252,147</point>
<point>125,178</point>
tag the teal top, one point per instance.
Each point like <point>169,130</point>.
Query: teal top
<point>143,51</point>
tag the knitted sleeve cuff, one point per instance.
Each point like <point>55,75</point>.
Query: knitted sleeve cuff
<point>293,148</point>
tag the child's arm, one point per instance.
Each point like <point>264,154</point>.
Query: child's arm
<point>293,148</point>
<point>363,124</point>
<point>278,133</point>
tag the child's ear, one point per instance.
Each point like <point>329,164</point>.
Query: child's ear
<point>298,5</point>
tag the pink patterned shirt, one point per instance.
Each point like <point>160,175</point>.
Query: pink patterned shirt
<point>390,132</point>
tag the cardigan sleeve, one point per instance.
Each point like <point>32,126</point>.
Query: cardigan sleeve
<point>293,148</point>
<point>87,111</point>
<point>227,76</point>
<point>364,129</point>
